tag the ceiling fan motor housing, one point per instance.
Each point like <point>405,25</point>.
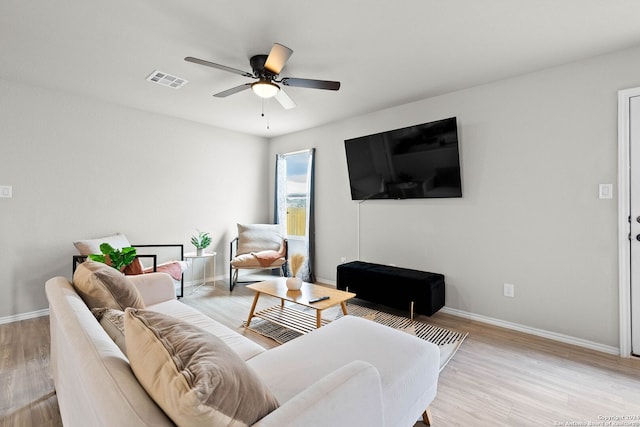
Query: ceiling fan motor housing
<point>257,65</point>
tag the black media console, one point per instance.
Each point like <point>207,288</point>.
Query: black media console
<point>402,288</point>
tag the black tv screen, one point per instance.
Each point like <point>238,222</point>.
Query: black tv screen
<point>420,161</point>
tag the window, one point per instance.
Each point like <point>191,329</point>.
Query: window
<point>294,204</point>
<point>297,179</point>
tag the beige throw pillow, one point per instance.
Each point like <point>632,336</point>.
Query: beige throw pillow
<point>92,246</point>
<point>102,286</point>
<point>191,374</point>
<point>258,237</point>
<point>112,321</point>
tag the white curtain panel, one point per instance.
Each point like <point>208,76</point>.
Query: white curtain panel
<point>281,193</point>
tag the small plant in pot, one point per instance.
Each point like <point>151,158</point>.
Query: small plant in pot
<point>116,258</point>
<point>201,242</point>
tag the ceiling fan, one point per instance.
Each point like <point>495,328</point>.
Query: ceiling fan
<point>266,69</point>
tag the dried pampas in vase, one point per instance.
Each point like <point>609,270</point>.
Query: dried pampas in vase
<point>296,262</point>
<point>294,283</point>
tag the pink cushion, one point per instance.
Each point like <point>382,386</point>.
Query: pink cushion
<point>250,261</point>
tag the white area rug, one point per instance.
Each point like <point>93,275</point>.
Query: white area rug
<point>447,340</point>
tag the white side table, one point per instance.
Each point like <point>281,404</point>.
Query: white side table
<point>205,256</point>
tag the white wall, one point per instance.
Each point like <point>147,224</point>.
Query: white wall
<point>84,169</point>
<point>533,151</point>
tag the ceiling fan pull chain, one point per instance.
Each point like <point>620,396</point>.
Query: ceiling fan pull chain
<point>263,112</point>
<point>267,101</point>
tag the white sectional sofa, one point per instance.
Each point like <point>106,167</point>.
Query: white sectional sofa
<point>352,372</point>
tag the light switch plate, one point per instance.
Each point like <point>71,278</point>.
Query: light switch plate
<point>6,191</point>
<point>509,290</point>
<point>605,191</point>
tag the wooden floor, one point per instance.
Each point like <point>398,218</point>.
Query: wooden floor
<point>27,396</point>
<point>497,378</point>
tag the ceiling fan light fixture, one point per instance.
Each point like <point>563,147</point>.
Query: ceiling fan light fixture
<point>265,88</point>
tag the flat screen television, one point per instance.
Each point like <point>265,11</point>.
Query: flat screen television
<point>420,161</point>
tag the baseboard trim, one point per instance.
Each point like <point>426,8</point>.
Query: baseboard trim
<point>24,316</point>
<point>521,328</point>
<point>326,281</point>
<point>534,331</point>
<point>198,282</point>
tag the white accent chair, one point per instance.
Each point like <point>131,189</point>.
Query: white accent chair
<point>257,247</point>
<point>175,268</point>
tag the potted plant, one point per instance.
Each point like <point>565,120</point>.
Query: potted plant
<point>116,258</point>
<point>201,241</point>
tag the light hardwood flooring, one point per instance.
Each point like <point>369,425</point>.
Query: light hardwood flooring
<point>497,378</point>
<point>27,396</point>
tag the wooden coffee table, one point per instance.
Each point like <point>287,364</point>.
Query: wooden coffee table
<point>290,317</point>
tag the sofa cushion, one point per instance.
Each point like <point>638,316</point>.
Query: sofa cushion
<point>112,321</point>
<point>193,375</point>
<point>258,237</point>
<point>241,345</point>
<point>102,286</point>
<point>408,365</point>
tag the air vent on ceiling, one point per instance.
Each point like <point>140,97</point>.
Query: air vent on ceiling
<point>165,79</point>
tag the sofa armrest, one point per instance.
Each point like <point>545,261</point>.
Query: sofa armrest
<point>337,399</point>
<point>154,287</point>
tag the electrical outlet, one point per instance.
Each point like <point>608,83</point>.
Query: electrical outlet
<point>6,191</point>
<point>605,191</point>
<point>343,260</point>
<point>509,290</point>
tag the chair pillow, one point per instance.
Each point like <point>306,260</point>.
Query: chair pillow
<point>92,246</point>
<point>112,321</point>
<point>192,374</point>
<point>117,241</point>
<point>102,286</point>
<point>258,237</point>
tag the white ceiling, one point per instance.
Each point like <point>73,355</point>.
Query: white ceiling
<point>385,53</point>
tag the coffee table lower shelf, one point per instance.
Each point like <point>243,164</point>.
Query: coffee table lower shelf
<point>290,318</point>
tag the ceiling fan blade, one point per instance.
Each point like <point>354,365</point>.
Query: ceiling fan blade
<point>311,84</point>
<point>277,58</point>
<point>284,100</point>
<point>218,66</point>
<point>233,90</point>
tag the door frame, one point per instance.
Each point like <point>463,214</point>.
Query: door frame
<point>624,228</point>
